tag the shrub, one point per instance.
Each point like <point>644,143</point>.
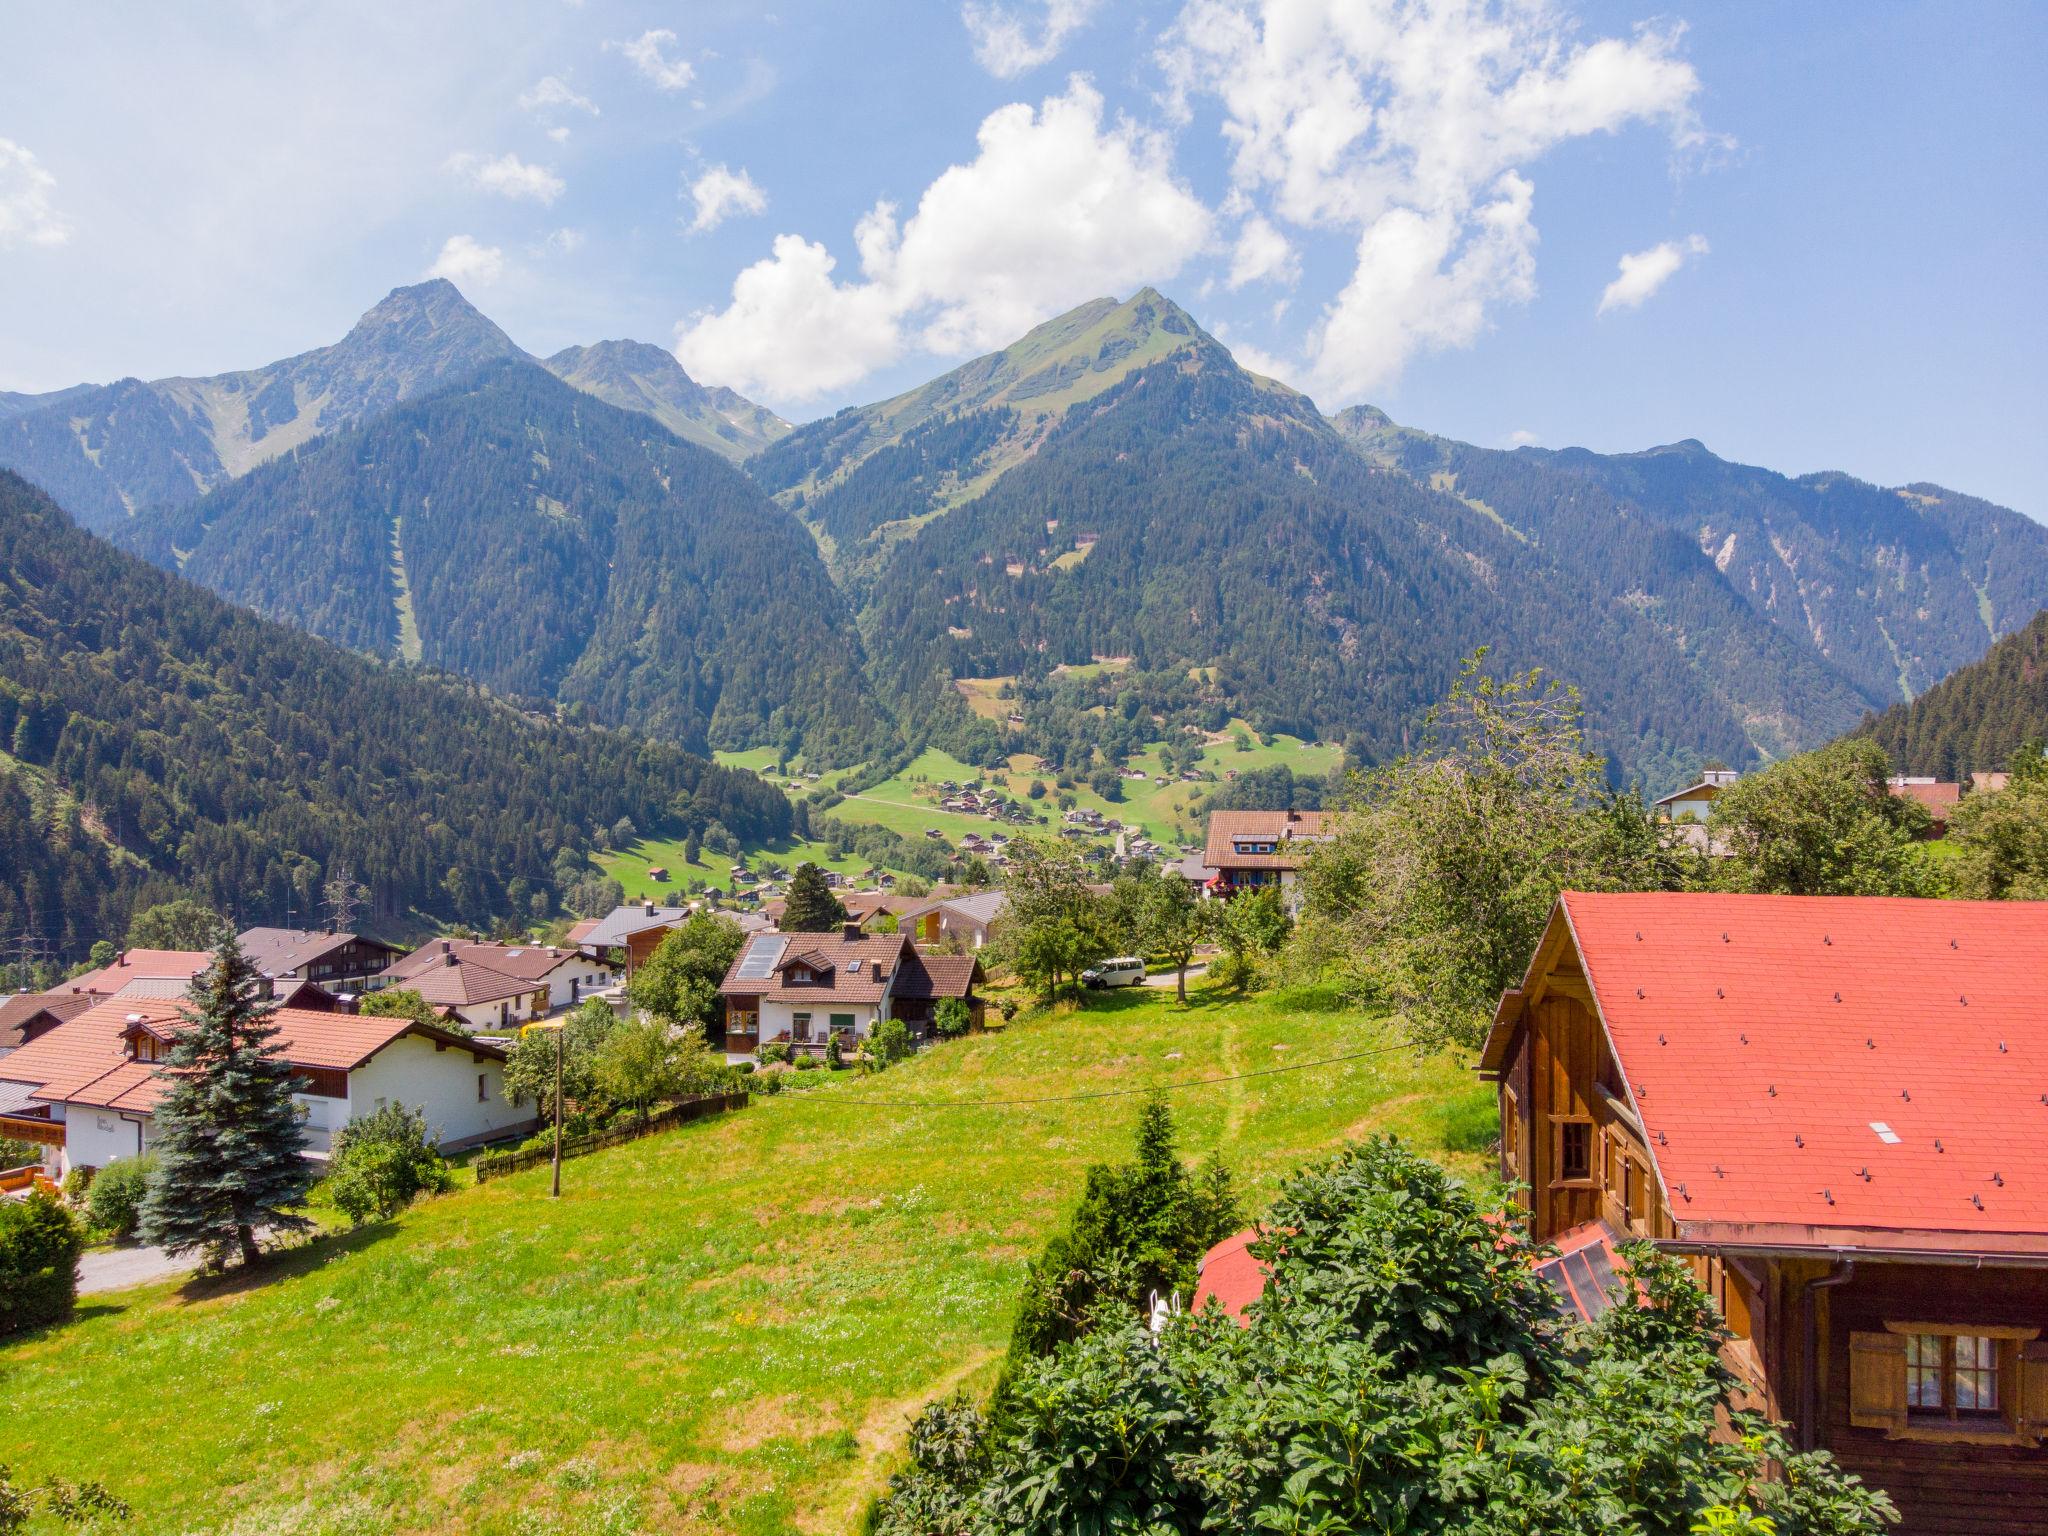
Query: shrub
<point>77,1182</point>
<point>772,1052</point>
<point>40,1243</point>
<point>952,1017</point>
<point>383,1162</point>
<point>808,1064</point>
<point>889,1042</point>
<point>1007,1007</point>
<point>835,1053</point>
<point>114,1203</point>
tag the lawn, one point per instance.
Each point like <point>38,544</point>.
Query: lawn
<point>723,1328</point>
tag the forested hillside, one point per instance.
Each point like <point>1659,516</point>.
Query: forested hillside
<point>1974,718</point>
<point>159,738</point>
<point>638,377</point>
<point>552,547</point>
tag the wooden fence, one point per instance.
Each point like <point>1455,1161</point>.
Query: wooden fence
<point>498,1164</point>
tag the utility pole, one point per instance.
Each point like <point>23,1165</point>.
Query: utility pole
<point>557,1192</point>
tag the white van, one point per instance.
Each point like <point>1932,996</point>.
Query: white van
<point>1125,971</point>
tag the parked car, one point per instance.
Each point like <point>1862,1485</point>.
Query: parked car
<point>1125,971</point>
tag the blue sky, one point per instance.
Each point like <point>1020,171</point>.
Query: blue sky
<point>1833,215</point>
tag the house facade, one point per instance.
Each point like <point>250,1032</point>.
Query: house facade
<point>1695,801</point>
<point>333,961</point>
<point>86,1091</point>
<point>969,919</point>
<point>803,989</point>
<point>1832,1108</point>
<point>1252,850</point>
<point>491,986</point>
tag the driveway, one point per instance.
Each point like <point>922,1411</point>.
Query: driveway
<point>115,1269</point>
<point>1166,978</point>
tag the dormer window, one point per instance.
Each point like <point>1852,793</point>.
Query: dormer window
<point>800,973</point>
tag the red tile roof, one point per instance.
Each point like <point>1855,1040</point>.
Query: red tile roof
<point>829,956</point>
<point>1855,1071</point>
<point>1280,828</point>
<point>85,1060</point>
<point>1230,1277</point>
<point>528,962</point>
<point>1939,798</point>
<point>937,975</point>
<point>138,965</point>
<point>20,1013</point>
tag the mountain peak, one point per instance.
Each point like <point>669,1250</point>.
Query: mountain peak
<point>432,314</point>
<point>639,376</point>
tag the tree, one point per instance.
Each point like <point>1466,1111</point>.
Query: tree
<point>645,1062</point>
<point>1822,824</point>
<point>1050,929</point>
<point>952,1018</point>
<point>679,982</point>
<point>1250,926</point>
<point>811,907</point>
<point>624,833</point>
<point>2001,839</point>
<point>405,1003</point>
<point>1444,866</point>
<point>180,924</point>
<point>530,1071</point>
<point>229,1139</point>
<point>382,1162</point>
<point>1172,923</point>
<point>1402,1371</point>
<point>888,1043</point>
<point>113,1203</point>
<point>40,1242</point>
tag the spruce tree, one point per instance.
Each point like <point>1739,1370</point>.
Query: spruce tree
<point>811,907</point>
<point>229,1141</point>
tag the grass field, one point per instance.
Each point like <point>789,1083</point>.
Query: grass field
<point>724,1328</point>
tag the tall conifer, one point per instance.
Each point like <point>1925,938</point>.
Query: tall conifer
<point>229,1140</point>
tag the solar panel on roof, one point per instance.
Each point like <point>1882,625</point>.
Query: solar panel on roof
<point>758,964</point>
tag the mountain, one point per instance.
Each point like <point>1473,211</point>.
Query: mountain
<point>1893,588</point>
<point>109,451</point>
<point>1973,718</point>
<point>874,474</point>
<point>550,546</point>
<point>638,377</point>
<point>162,740</point>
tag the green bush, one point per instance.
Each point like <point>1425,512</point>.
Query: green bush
<point>952,1018</point>
<point>773,1051</point>
<point>113,1204</point>
<point>889,1042</point>
<point>40,1243</point>
<point>767,1083</point>
<point>383,1162</point>
<point>77,1182</point>
<point>835,1053</point>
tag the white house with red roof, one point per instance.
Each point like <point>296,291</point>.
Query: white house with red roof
<point>496,985</point>
<point>1836,1108</point>
<point>85,1090</point>
<point>805,988</point>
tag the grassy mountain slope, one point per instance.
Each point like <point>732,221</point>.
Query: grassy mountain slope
<point>638,377</point>
<point>517,531</point>
<point>1973,718</point>
<point>159,738</point>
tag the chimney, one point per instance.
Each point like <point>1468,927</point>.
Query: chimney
<point>447,946</point>
<point>650,908</point>
<point>850,929</point>
<point>121,959</point>
<point>446,957</point>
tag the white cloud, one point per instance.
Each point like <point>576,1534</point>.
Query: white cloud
<point>508,176</point>
<point>1644,272</point>
<point>1413,123</point>
<point>563,242</point>
<point>1522,437</point>
<point>719,193</point>
<point>1055,208</point>
<point>27,214</point>
<point>1262,254</point>
<point>559,134</point>
<point>464,260</point>
<point>1004,43</point>
<point>648,54</point>
<point>551,91</point>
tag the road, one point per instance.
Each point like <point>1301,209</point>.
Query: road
<point>1166,978</point>
<point>115,1269</point>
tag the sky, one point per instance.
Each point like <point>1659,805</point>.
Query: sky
<point>1812,236</point>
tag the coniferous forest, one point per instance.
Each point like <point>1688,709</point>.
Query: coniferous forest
<point>159,739</point>
<point>1973,719</point>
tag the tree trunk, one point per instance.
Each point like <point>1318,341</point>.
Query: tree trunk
<point>245,1236</point>
<point>1180,982</point>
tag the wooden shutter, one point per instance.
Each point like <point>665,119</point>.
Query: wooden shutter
<point>1877,1381</point>
<point>2033,1392</point>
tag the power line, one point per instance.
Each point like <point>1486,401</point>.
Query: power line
<point>1120,1093</point>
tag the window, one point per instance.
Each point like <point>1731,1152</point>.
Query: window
<point>1951,1376</point>
<point>842,1023</point>
<point>799,1026</point>
<point>483,1087</point>
<point>1574,1150</point>
<point>1978,1383</point>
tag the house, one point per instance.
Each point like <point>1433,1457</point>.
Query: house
<point>635,928</point>
<point>494,985</point>
<point>84,1091</point>
<point>335,962</point>
<point>1938,796</point>
<point>132,965</point>
<point>1694,801</point>
<point>29,1014</point>
<point>968,918</point>
<point>805,988</point>
<point>1833,1108</point>
<point>1252,849</point>
<point>1986,782</point>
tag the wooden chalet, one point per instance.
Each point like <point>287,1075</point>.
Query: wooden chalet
<point>1835,1109</point>
<point>1250,849</point>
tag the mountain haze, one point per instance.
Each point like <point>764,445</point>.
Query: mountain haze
<point>524,534</point>
<point>637,376</point>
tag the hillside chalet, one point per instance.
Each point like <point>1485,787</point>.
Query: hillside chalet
<point>498,986</point>
<point>1834,1108</point>
<point>84,1091</point>
<point>1696,801</point>
<point>805,988</point>
<point>336,962</point>
<point>1251,849</point>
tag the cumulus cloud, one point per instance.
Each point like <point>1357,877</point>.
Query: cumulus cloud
<point>1055,207</point>
<point>1413,123</point>
<point>464,260</point>
<point>1522,437</point>
<point>551,92</point>
<point>1262,254</point>
<point>508,176</point>
<point>648,53</point>
<point>1644,272</point>
<point>1010,39</point>
<point>28,216</point>
<point>719,193</point>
